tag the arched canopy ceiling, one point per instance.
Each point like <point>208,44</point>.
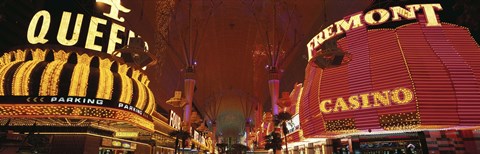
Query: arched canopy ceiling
<point>227,40</point>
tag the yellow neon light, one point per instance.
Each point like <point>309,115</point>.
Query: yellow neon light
<point>127,85</point>
<point>3,72</point>
<point>105,84</point>
<point>151,103</point>
<point>142,92</point>
<point>39,54</point>
<point>20,55</point>
<point>5,59</point>
<point>380,99</point>
<point>115,8</point>
<point>93,33</point>
<point>70,133</point>
<point>22,77</point>
<point>40,38</point>
<point>384,16</point>
<point>114,38</point>
<point>411,79</point>
<point>61,55</point>
<point>63,29</point>
<point>126,134</point>
<point>144,80</point>
<point>51,78</point>
<point>79,81</point>
<point>73,111</point>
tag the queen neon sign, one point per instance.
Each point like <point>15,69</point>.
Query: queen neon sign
<point>40,24</point>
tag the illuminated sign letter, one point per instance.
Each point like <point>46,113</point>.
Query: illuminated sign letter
<point>115,6</point>
<point>62,31</point>
<point>328,32</point>
<point>40,38</point>
<point>409,14</point>
<point>319,39</point>
<point>323,108</point>
<point>354,103</point>
<point>114,38</point>
<point>94,33</point>
<point>316,41</point>
<point>378,97</point>
<point>365,102</point>
<point>340,103</point>
<point>310,47</point>
<point>384,16</point>
<point>407,95</point>
<point>354,22</point>
<point>429,11</point>
<point>99,102</point>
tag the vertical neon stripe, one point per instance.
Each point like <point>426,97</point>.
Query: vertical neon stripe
<point>151,102</point>
<point>411,79</point>
<point>105,84</point>
<point>142,94</point>
<point>127,85</point>
<point>5,59</point>
<point>3,72</point>
<point>79,81</point>
<point>21,78</point>
<point>51,78</point>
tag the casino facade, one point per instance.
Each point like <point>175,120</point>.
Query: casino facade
<point>400,77</point>
<point>72,80</point>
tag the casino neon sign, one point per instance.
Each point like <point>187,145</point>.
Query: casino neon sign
<point>395,13</point>
<point>384,98</point>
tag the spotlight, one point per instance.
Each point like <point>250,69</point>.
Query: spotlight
<point>330,56</point>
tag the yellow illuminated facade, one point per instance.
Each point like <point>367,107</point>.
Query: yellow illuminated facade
<point>18,67</point>
<point>79,82</point>
<point>105,84</point>
<point>73,111</point>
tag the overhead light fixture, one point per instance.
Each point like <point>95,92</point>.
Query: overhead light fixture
<point>136,53</point>
<point>177,100</point>
<point>330,56</point>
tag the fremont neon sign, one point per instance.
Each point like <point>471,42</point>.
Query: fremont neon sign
<point>399,96</point>
<point>395,13</point>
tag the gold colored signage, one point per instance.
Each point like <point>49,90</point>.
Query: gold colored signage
<point>399,96</point>
<point>115,7</point>
<point>126,134</point>
<point>93,32</point>
<point>395,13</point>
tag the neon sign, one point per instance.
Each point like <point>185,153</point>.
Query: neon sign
<point>72,100</point>
<point>76,34</point>
<point>294,124</point>
<point>355,21</point>
<point>175,120</point>
<point>398,96</point>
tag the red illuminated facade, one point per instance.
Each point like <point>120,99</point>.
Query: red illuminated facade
<point>439,64</point>
<point>405,79</point>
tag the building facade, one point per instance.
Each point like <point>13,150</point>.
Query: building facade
<point>398,78</point>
